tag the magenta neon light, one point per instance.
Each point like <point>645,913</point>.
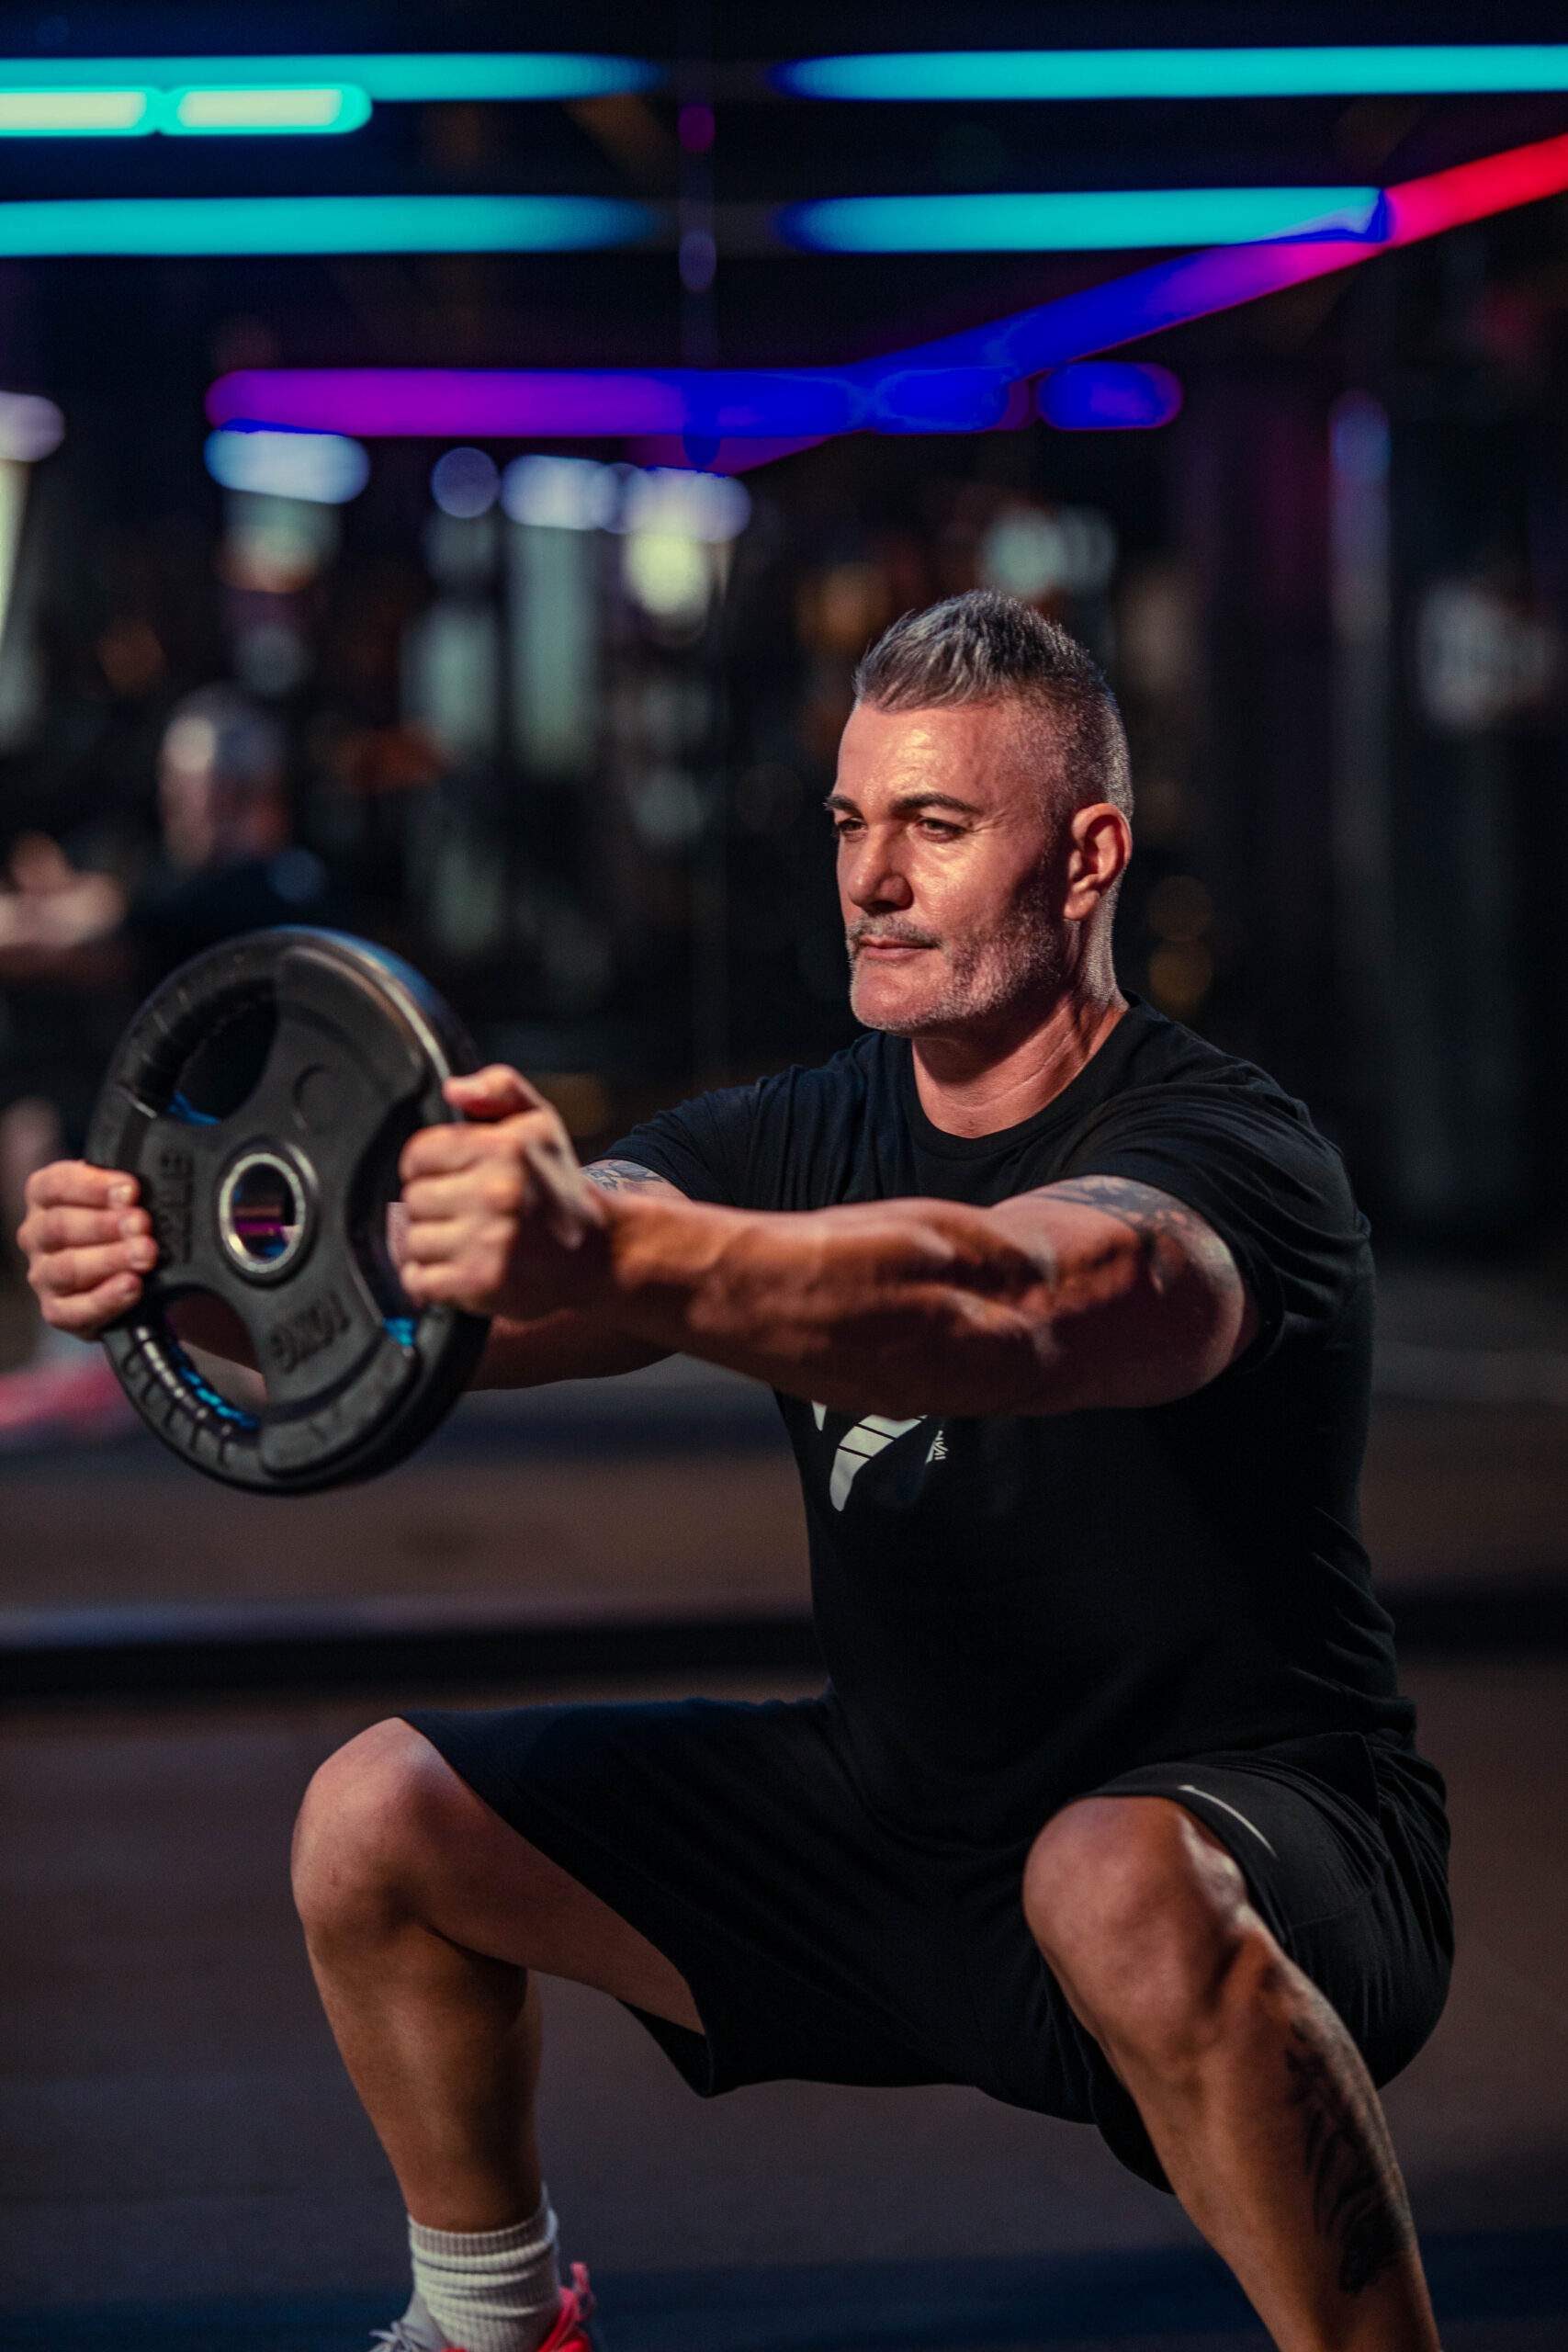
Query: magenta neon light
<point>924,387</point>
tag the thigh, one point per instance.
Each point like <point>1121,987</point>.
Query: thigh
<point>484,1886</point>
<point>1342,1846</point>
<point>814,1941</point>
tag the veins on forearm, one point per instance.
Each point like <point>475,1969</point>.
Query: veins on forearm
<point>1357,2198</point>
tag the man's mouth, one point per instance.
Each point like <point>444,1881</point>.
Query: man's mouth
<point>892,947</point>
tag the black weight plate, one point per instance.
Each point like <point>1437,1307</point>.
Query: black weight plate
<point>278,1205</point>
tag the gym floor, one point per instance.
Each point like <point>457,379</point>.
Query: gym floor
<point>186,2167</point>
<point>182,2166</point>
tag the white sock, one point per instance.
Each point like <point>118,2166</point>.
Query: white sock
<point>489,2291</point>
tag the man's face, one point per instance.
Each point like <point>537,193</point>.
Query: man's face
<point>948,869</point>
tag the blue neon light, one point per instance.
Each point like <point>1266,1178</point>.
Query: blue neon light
<point>324,469</point>
<point>1108,396</point>
<point>1079,220</point>
<point>293,107</point>
<point>393,76</point>
<point>1065,73</point>
<point>506,403</point>
<point>77,114</point>
<point>232,225</point>
<point>204,111</point>
<point>734,407</point>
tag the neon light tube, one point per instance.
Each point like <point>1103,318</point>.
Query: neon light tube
<point>334,106</point>
<point>1169,293</point>
<point>1108,396</point>
<point>1065,73</point>
<point>932,381</point>
<point>1078,221</point>
<point>471,73</point>
<point>237,225</point>
<point>76,114</point>
<point>522,403</point>
<point>326,469</point>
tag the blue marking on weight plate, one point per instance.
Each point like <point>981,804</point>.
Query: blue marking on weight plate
<point>183,1108</point>
<point>208,1396</point>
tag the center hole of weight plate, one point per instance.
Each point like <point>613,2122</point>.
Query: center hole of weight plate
<point>261,1213</point>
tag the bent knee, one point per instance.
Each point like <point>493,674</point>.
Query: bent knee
<point>1144,1919</point>
<point>368,1813</point>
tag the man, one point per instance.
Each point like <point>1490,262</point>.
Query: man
<point>1111,1807</point>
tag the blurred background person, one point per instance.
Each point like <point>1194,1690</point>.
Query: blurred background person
<point>77,945</point>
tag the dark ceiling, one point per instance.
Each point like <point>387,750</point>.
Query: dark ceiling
<point>767,307</point>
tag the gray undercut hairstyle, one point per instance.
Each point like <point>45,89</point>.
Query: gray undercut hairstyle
<point>987,648</point>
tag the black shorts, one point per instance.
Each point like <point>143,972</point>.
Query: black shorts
<point>822,1943</point>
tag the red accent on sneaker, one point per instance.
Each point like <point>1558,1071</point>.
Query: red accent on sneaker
<point>570,2333</point>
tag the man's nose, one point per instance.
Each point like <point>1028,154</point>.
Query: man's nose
<point>873,877</point>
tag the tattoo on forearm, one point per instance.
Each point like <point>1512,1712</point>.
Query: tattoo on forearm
<point>1357,2198</point>
<point>1169,1234</point>
<point>624,1176</point>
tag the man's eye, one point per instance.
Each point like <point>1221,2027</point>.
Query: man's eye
<point>935,825</point>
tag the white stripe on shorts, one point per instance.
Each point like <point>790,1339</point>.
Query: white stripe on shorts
<point>1187,1790</point>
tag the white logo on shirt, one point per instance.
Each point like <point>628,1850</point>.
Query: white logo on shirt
<point>871,1435</point>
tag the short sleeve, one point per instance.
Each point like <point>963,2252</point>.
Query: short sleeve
<point>1261,1177</point>
<point>701,1147</point>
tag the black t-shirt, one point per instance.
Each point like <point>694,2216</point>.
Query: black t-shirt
<point>1014,1609</point>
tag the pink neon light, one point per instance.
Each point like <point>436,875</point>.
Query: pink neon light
<point>607,402</point>
<point>1470,191</point>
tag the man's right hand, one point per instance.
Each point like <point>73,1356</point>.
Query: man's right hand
<point>87,1243</point>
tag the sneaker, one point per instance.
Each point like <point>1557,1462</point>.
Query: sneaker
<point>571,2331</point>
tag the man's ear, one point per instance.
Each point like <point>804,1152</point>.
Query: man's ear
<point>1101,845</point>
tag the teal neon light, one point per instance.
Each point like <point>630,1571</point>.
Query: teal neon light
<point>968,75</point>
<point>321,224</point>
<point>127,114</point>
<point>77,114</point>
<point>334,106</point>
<point>1103,221</point>
<point>419,74</point>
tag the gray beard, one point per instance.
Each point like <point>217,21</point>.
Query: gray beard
<point>1025,959</point>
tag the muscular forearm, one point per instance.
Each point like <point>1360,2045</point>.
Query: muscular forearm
<point>568,1345</point>
<point>895,1306</point>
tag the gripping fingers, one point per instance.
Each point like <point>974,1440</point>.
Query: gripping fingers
<point>86,1312</point>
<point>438,1285</point>
<point>433,1241</point>
<point>76,1184</point>
<point>69,1228</point>
<point>71,1274</point>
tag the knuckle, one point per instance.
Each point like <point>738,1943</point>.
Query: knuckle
<point>419,1155</point>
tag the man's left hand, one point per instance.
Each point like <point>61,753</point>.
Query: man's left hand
<point>498,1215</point>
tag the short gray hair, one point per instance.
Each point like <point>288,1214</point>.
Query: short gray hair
<point>987,648</point>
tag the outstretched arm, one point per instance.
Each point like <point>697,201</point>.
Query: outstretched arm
<point>1099,1292</point>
